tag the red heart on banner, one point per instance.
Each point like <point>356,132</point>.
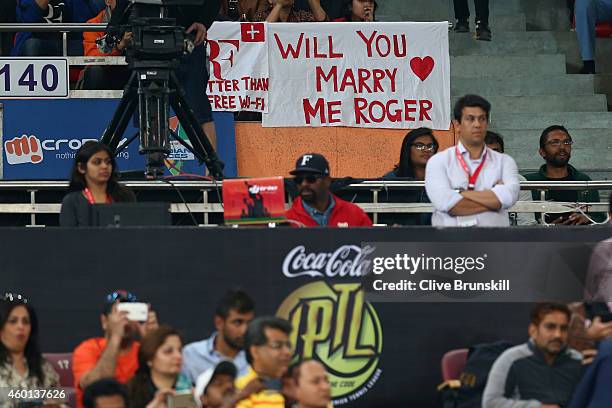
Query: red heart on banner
<point>422,67</point>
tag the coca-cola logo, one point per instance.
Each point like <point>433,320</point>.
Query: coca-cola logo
<point>346,261</point>
<point>259,189</point>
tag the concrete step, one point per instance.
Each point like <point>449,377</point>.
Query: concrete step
<point>526,86</point>
<point>416,10</point>
<point>571,120</point>
<point>443,8</point>
<point>546,103</point>
<point>587,160</point>
<point>546,15</point>
<point>527,140</point>
<point>478,66</point>
<point>592,149</point>
<point>505,43</point>
<point>502,6</point>
<point>603,85</point>
<point>504,15</point>
<point>511,22</point>
<point>568,44</point>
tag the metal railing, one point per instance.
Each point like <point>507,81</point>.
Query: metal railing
<point>63,29</point>
<point>205,207</point>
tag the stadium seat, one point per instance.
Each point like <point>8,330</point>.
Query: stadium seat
<point>62,363</point>
<point>453,363</point>
<point>71,397</point>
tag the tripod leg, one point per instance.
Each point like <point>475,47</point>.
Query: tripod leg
<point>200,145</point>
<point>113,133</point>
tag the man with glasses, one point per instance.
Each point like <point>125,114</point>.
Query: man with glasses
<point>269,352</point>
<point>116,354</point>
<point>556,149</point>
<point>470,184</point>
<point>316,205</point>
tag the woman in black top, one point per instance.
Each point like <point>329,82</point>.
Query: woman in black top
<point>160,360</point>
<point>417,148</point>
<point>93,181</point>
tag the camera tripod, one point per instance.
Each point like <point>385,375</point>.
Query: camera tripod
<point>153,87</point>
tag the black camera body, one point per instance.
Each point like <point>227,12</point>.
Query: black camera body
<point>157,42</point>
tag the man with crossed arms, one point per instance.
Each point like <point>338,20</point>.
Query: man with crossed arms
<point>470,184</point>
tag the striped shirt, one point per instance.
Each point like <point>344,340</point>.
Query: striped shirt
<point>263,399</point>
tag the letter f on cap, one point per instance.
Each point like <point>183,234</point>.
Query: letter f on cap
<point>305,159</point>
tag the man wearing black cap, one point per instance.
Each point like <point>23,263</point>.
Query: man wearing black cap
<point>216,389</point>
<point>316,205</point>
<point>216,385</point>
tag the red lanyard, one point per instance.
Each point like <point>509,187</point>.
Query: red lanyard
<point>471,177</point>
<point>90,198</point>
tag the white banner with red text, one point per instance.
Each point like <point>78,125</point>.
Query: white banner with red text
<point>377,75</point>
<point>238,67</point>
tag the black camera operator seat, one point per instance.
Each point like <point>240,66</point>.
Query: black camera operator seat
<point>153,57</point>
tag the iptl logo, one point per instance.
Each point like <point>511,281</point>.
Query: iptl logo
<point>333,324</point>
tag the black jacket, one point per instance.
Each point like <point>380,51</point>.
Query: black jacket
<point>520,378</point>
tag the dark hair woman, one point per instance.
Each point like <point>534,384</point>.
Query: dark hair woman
<point>359,10</point>
<point>417,148</point>
<point>159,369</point>
<point>93,181</point>
<point>21,363</point>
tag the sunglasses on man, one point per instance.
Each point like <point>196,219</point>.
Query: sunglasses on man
<point>311,178</point>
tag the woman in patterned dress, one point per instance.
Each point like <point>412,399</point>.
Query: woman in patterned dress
<point>22,365</point>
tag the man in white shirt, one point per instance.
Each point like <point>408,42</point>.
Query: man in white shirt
<point>233,314</point>
<point>470,184</point>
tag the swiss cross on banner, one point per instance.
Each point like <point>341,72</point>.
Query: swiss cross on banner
<point>252,32</point>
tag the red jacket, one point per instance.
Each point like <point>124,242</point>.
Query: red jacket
<point>344,214</point>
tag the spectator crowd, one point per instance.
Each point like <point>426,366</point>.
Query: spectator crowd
<point>471,184</point>
<point>140,363</point>
<point>248,361</point>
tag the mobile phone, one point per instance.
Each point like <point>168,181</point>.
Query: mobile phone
<point>137,312</point>
<point>181,399</point>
